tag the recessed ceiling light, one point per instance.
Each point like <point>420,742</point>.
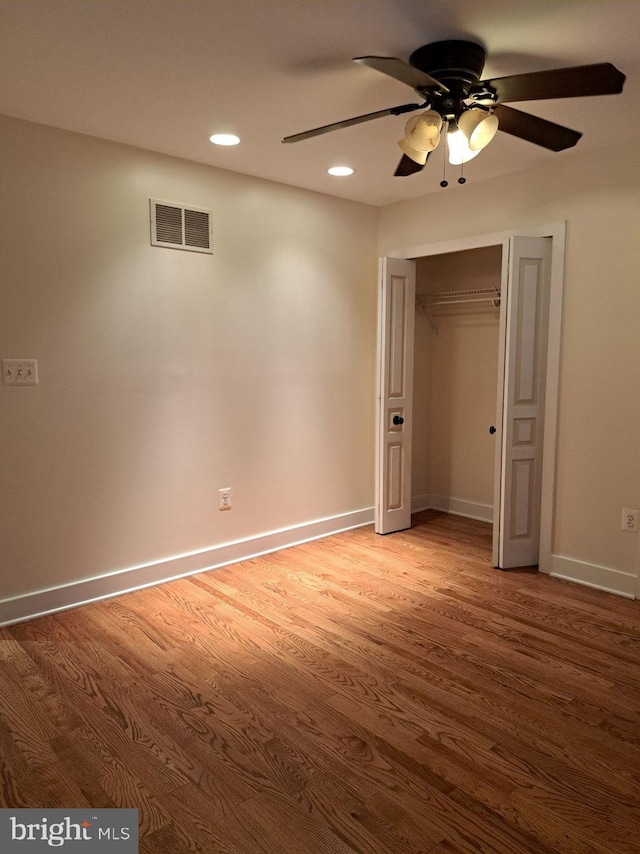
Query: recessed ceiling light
<point>224,139</point>
<point>340,170</point>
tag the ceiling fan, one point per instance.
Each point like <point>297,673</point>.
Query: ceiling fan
<point>446,76</point>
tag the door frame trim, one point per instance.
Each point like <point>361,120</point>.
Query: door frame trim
<point>557,232</point>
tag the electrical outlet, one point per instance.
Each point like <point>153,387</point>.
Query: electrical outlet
<point>630,520</point>
<point>19,372</point>
<point>224,498</point>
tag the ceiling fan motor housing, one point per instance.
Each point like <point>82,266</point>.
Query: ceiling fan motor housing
<point>455,62</point>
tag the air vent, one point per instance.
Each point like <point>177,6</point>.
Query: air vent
<point>178,227</point>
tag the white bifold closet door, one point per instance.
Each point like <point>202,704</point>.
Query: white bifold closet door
<point>525,349</point>
<point>396,319</point>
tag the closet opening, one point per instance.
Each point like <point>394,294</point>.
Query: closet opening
<point>468,369</point>
<point>455,382</point>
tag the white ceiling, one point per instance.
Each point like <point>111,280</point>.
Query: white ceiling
<point>165,74</point>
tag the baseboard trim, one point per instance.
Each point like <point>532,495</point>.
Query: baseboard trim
<point>42,602</point>
<point>456,506</point>
<point>420,503</point>
<point>591,575</point>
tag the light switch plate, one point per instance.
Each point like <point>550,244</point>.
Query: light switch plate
<point>17,372</point>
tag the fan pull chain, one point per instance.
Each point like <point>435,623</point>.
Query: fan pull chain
<point>444,182</point>
<point>462,179</point>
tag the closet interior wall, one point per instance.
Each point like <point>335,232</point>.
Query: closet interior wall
<point>455,384</point>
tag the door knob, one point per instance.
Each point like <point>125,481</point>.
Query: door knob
<point>492,429</point>
<point>398,419</point>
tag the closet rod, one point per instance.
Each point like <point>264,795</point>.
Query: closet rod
<point>478,295</point>
<point>475,292</point>
<point>494,300</point>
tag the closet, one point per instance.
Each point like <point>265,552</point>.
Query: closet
<point>455,381</point>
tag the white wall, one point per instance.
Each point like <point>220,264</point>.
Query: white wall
<point>165,375</point>
<point>598,464</point>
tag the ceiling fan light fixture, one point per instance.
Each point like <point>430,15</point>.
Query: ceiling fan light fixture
<point>423,132</point>
<point>448,74</point>
<point>478,127</point>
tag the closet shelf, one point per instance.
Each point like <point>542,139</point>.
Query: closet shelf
<point>444,302</point>
<point>489,297</point>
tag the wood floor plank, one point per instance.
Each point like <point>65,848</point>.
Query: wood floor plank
<point>382,695</point>
<point>446,847</point>
<point>168,840</point>
<point>290,828</point>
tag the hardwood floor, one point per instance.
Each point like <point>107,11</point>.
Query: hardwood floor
<point>384,695</point>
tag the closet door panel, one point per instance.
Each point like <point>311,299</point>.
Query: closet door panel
<point>396,318</point>
<point>524,383</point>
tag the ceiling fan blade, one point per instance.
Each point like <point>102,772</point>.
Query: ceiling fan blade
<point>392,111</point>
<point>599,79</point>
<point>402,71</point>
<point>407,166</point>
<point>536,130</point>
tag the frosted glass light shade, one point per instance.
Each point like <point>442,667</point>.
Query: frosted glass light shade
<point>459,151</point>
<point>478,127</point>
<point>415,155</point>
<point>423,132</point>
